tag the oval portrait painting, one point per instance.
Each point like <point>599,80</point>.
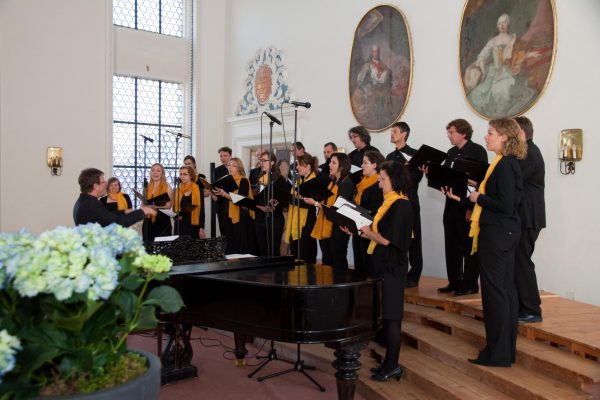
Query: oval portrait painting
<point>380,68</point>
<point>507,50</point>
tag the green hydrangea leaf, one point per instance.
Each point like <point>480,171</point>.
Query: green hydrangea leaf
<point>165,297</point>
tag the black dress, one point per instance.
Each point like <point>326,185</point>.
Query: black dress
<point>337,244</point>
<point>391,261</point>
<point>266,242</point>
<point>112,207</point>
<point>185,222</point>
<point>371,199</point>
<point>306,244</point>
<point>160,227</point>
<point>240,236</point>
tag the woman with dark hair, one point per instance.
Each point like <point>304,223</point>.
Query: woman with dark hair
<point>369,196</point>
<point>238,221</point>
<point>389,240</point>
<point>496,228</point>
<point>188,203</point>
<point>269,220</point>
<point>334,242</point>
<point>301,216</point>
<point>116,201</point>
<point>159,225</point>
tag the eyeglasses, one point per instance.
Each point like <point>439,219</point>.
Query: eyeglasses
<point>263,160</point>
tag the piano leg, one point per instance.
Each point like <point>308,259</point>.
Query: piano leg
<point>347,366</point>
<point>240,349</point>
<point>177,357</point>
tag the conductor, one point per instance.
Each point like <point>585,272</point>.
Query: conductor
<point>89,209</point>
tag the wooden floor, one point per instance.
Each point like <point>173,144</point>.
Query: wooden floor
<point>556,359</point>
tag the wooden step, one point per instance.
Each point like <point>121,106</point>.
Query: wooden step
<point>561,365</point>
<point>516,381</point>
<point>441,380</point>
<point>320,357</point>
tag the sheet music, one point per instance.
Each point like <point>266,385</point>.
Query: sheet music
<point>354,215</point>
<point>236,198</point>
<point>354,168</point>
<point>406,156</point>
<point>168,212</point>
<point>165,238</point>
<point>340,201</point>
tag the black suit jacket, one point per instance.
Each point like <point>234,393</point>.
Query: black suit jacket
<point>89,209</point>
<point>503,192</point>
<point>356,156</point>
<point>533,206</point>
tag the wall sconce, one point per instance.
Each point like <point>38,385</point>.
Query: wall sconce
<point>571,149</point>
<point>55,160</point>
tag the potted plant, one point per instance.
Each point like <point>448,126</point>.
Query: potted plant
<point>68,300</point>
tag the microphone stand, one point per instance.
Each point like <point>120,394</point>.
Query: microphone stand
<point>271,241</point>
<point>296,201</point>
<point>176,181</point>
<point>146,139</point>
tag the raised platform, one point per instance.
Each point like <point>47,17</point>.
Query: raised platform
<point>556,359</point>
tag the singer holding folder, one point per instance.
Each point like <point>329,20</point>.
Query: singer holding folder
<point>389,241</point>
<point>495,229</point>
<point>302,216</point>
<point>238,222</point>
<point>369,196</point>
<point>334,242</point>
<point>159,225</point>
<point>189,204</point>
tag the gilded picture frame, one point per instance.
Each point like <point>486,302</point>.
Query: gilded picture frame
<point>507,52</point>
<point>381,64</point>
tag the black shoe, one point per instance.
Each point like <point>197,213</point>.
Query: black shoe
<point>486,363</point>
<point>410,284</point>
<point>464,292</point>
<point>446,289</point>
<point>376,370</point>
<point>381,377</point>
<point>529,318</point>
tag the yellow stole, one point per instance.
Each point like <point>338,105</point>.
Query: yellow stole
<point>388,200</point>
<point>292,223</point>
<point>364,183</point>
<point>234,211</point>
<point>323,226</point>
<point>474,232</point>
<point>120,199</point>
<point>181,190</point>
<point>151,193</point>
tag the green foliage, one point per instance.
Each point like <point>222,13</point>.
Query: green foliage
<point>71,297</point>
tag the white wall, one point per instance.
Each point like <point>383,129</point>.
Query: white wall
<point>317,39</point>
<point>55,81</point>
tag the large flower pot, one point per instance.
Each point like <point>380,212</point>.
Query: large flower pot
<point>144,387</point>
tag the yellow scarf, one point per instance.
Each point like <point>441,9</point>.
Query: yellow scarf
<point>234,211</point>
<point>364,183</point>
<point>151,193</point>
<point>120,199</point>
<point>292,223</point>
<point>185,188</point>
<point>474,232</point>
<point>323,226</point>
<point>388,200</point>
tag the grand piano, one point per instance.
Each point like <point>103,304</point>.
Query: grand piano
<point>280,299</point>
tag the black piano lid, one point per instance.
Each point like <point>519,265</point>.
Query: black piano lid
<point>280,271</point>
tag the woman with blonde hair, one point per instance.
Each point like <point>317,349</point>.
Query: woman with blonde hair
<point>159,225</point>
<point>496,228</point>
<point>239,221</point>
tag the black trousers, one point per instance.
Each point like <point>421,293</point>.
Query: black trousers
<point>461,267</point>
<point>525,278</point>
<point>308,245</point>
<point>326,251</point>
<point>335,249</point>
<point>361,258</point>
<point>266,242</point>
<point>496,252</point>
<point>415,250</point>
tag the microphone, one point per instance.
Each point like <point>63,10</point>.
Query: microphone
<point>178,134</point>
<point>298,103</point>
<point>272,118</point>
<point>147,138</point>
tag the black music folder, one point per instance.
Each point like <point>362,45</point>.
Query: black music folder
<point>160,200</point>
<point>440,176</point>
<point>243,201</point>
<point>427,154</point>
<point>227,183</point>
<point>475,170</point>
<point>314,189</point>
